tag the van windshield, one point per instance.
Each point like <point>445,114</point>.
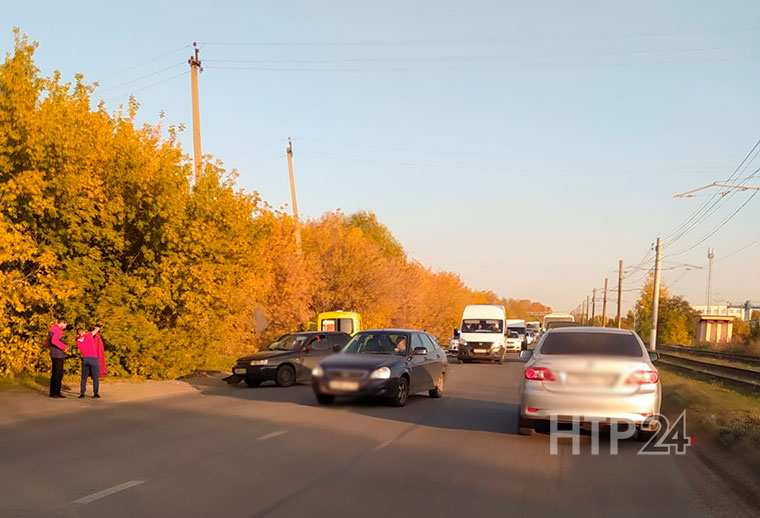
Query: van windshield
<point>482,326</point>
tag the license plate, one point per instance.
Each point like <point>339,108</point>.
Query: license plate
<point>481,351</point>
<point>586,379</point>
<point>347,386</point>
<point>238,371</point>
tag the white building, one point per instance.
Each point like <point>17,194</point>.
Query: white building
<point>721,310</point>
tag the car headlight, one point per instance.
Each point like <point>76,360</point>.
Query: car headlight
<point>383,373</point>
<point>259,362</point>
<point>495,345</point>
<point>317,372</point>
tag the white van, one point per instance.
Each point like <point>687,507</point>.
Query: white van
<point>558,320</point>
<point>482,335</point>
<point>517,335</point>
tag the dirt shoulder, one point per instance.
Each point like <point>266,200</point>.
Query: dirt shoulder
<point>724,421</point>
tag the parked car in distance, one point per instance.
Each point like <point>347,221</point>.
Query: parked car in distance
<point>287,360</point>
<point>589,374</point>
<point>387,363</point>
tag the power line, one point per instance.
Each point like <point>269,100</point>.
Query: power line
<point>740,250</point>
<point>717,228</point>
<point>145,87</point>
<point>140,78</point>
<point>711,204</point>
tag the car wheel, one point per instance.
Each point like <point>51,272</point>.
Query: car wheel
<point>252,383</point>
<point>402,392</point>
<point>542,426</point>
<point>286,376</point>
<point>524,427</point>
<point>437,391</point>
<point>325,399</point>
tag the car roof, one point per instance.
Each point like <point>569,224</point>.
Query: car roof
<point>309,333</point>
<point>595,330</point>
<point>392,330</point>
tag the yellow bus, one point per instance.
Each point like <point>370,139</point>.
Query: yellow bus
<point>344,321</point>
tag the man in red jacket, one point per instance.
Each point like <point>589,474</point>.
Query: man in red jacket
<point>57,354</point>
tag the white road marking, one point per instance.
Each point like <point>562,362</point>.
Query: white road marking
<point>107,492</point>
<point>271,435</point>
<point>383,444</point>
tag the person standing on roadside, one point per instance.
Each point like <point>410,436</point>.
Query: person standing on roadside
<point>90,362</point>
<point>57,355</point>
<point>100,349</point>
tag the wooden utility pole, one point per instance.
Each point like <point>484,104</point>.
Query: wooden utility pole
<point>619,316</point>
<point>655,296</point>
<point>195,68</point>
<point>604,305</point>
<point>289,153</point>
<point>593,306</point>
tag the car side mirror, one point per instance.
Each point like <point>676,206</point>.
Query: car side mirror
<point>654,356</point>
<point>526,355</point>
<point>420,351</point>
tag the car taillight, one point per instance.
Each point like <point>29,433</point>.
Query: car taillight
<point>642,378</point>
<point>539,374</point>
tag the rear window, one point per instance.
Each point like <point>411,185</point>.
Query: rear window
<point>592,344</point>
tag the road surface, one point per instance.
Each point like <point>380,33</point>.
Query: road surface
<point>202,448</point>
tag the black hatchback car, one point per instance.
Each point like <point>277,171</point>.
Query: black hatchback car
<point>288,360</point>
<point>387,363</point>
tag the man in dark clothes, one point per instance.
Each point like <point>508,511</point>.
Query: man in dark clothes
<point>57,354</point>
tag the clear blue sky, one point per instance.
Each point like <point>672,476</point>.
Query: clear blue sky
<point>525,147</point>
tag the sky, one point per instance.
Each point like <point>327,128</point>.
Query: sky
<point>526,146</point>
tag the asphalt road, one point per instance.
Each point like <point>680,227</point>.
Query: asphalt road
<point>215,450</point>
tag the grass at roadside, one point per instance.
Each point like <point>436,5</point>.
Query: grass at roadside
<point>729,414</point>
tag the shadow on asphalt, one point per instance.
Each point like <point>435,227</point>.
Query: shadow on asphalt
<point>450,412</point>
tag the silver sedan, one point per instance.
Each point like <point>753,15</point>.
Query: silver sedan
<point>588,374</point>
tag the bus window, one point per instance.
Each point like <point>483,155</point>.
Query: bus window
<point>328,325</point>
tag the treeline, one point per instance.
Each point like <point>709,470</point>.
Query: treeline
<point>98,223</point>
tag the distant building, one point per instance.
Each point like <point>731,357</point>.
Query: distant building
<point>723,311</point>
<point>715,329</point>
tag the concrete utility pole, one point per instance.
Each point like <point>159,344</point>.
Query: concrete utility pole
<point>586,312</point>
<point>195,67</point>
<point>619,316</point>
<point>289,153</point>
<point>655,296</point>
<point>593,305</point>
<point>710,257</point>
<point>604,305</point>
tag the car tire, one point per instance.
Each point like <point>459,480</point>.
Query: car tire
<point>525,427</point>
<point>542,426</point>
<point>325,399</point>
<point>437,391</point>
<point>286,376</point>
<point>402,392</point>
<point>252,383</point>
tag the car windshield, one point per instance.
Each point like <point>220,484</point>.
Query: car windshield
<point>482,326</point>
<point>518,330</point>
<point>378,343</point>
<point>601,344</point>
<point>514,334</point>
<point>287,343</point>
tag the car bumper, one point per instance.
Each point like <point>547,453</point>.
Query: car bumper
<point>364,387</point>
<point>472,356</point>
<point>254,372</point>
<point>544,405</point>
